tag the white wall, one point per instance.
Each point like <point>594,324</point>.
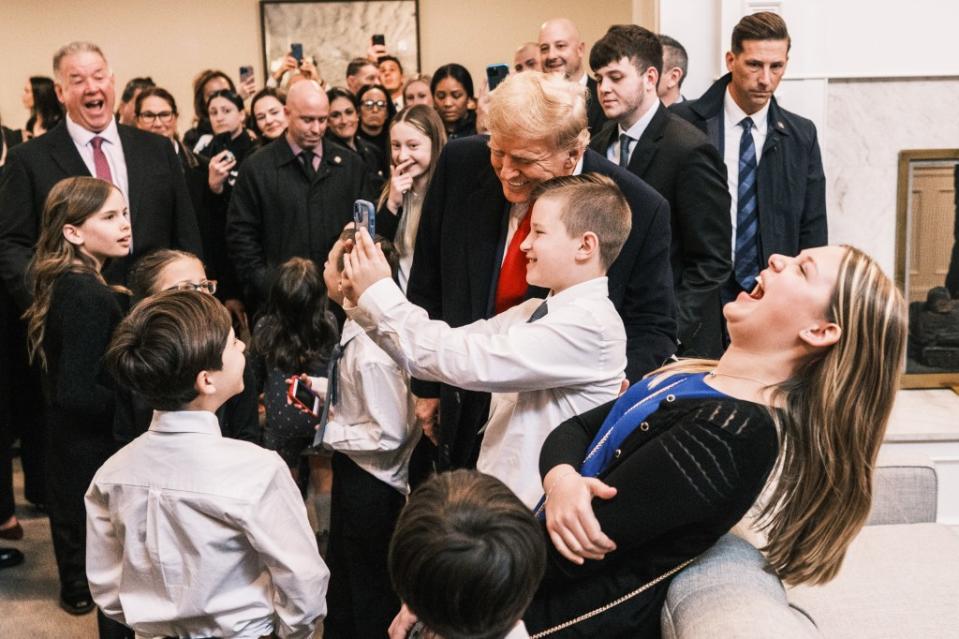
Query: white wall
<point>695,23</point>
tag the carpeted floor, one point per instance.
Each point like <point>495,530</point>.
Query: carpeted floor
<point>28,592</point>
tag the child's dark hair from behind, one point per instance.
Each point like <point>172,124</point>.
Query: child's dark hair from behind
<point>295,329</point>
<point>159,349</point>
<point>466,556</point>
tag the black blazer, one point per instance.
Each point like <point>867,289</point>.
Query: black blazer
<point>791,185</point>
<point>677,160</point>
<point>595,116</point>
<point>456,262</point>
<point>160,210</point>
<point>276,213</point>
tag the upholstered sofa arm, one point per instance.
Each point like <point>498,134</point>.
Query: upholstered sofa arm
<point>905,490</point>
<point>728,593</point>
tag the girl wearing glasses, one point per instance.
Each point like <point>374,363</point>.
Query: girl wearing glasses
<point>74,311</point>
<point>376,113</point>
<point>166,270</point>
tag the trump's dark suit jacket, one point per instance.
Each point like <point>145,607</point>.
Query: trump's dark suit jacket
<point>161,214</point>
<point>456,262</point>
<point>677,160</point>
<point>791,185</point>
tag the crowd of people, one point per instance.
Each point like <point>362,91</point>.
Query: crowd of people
<point>592,324</point>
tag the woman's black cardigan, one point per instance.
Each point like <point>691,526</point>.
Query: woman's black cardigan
<point>684,478</point>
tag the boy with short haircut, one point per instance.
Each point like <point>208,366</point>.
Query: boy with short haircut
<point>466,558</point>
<point>190,534</point>
<point>544,362</point>
<point>371,430</point>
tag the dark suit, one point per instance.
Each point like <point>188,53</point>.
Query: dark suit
<point>595,117</point>
<point>276,213</point>
<point>791,185</point>
<point>456,263</point>
<point>677,160</point>
<point>160,211</point>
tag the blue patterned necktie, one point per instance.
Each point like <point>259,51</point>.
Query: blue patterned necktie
<point>747,217</point>
<point>624,149</point>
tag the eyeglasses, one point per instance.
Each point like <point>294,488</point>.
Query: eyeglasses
<point>373,105</point>
<point>163,116</point>
<point>206,285</point>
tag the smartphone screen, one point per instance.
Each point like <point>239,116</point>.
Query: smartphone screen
<point>364,214</point>
<point>496,73</point>
<point>296,49</point>
<point>305,397</point>
<point>379,38</point>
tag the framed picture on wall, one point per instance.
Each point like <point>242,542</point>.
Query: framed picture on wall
<point>927,264</point>
<point>333,32</point>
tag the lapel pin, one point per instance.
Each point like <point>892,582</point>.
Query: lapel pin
<point>336,159</point>
<point>780,124</point>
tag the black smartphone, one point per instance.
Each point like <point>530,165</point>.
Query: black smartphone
<point>364,214</point>
<point>246,72</point>
<point>496,73</point>
<point>296,49</point>
<point>379,38</point>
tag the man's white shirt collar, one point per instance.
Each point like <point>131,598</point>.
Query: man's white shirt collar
<point>636,131</point>
<point>734,114</point>
<point>82,137</point>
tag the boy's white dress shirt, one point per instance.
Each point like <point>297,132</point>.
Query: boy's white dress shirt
<point>373,417</point>
<point>540,373</point>
<point>193,534</point>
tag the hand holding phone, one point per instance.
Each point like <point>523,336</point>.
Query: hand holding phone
<point>496,73</point>
<point>307,399</point>
<point>297,50</point>
<point>364,215</point>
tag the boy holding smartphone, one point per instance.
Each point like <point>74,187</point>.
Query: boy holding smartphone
<point>190,534</point>
<point>370,428</point>
<point>543,361</point>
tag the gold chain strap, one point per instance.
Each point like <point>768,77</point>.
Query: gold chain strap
<point>614,603</point>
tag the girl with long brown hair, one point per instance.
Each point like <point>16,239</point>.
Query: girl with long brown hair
<point>69,324</point>
<point>638,488</point>
<point>417,137</point>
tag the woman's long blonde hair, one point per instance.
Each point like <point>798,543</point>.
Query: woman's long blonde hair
<point>71,201</point>
<point>831,425</point>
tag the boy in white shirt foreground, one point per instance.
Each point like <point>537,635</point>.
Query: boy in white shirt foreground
<point>544,362</point>
<point>466,558</point>
<point>190,534</point>
<point>372,433</point>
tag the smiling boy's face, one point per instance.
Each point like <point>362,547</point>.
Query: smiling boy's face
<point>551,253</point>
